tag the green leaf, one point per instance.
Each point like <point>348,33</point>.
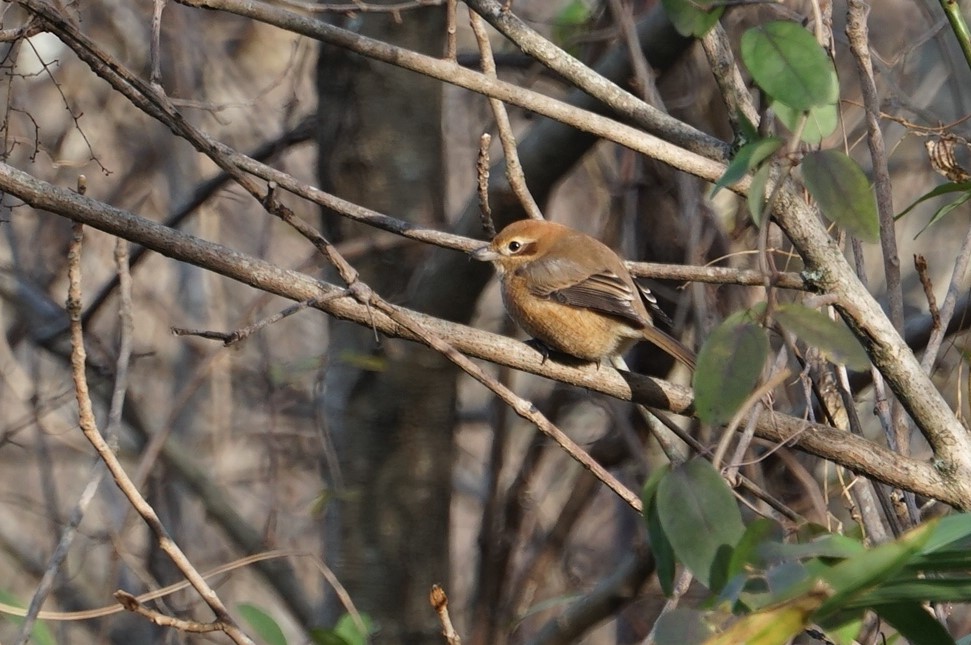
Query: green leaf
<point>842,192</point>
<point>348,629</point>
<point>816,329</point>
<point>749,156</point>
<point>950,529</point>
<point>682,626</point>
<point>844,628</point>
<point>773,625</point>
<point>787,62</point>
<point>915,624</point>
<point>944,210</point>
<point>570,23</point>
<point>692,17</point>
<point>261,622</point>
<point>756,194</point>
<point>701,519</point>
<point>943,189</point>
<point>916,588</point>
<point>758,534</point>
<point>942,561</point>
<point>321,636</point>
<point>40,634</point>
<point>831,545</point>
<point>729,366</point>
<point>785,579</point>
<point>661,548</point>
<point>650,486</point>
<point>856,575</point>
<point>821,121</point>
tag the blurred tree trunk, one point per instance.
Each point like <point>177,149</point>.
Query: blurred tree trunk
<point>389,406</point>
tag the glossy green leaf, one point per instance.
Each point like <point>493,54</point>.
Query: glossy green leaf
<point>692,17</point>
<point>749,156</point>
<point>843,192</point>
<point>821,121</point>
<point>262,623</point>
<point>787,62</point>
<point>729,366</point>
<point>701,519</point>
<point>915,624</point>
<point>816,329</point>
<point>664,556</point>
<point>757,194</point>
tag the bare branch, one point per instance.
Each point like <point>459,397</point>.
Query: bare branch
<point>855,453</point>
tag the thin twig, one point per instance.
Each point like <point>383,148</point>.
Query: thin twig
<point>69,531</point>
<point>482,164</point>
<point>90,430</point>
<point>514,169</point>
<point>920,264</point>
<point>954,287</point>
<point>858,36</point>
<point>450,29</point>
<point>439,602</point>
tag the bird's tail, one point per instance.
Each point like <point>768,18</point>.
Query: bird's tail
<point>671,346</point>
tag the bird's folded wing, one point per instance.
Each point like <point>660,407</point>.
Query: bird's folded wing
<point>574,285</point>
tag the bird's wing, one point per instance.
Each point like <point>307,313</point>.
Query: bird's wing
<point>573,284</point>
<point>650,302</point>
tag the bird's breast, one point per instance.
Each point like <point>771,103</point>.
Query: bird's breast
<point>581,332</point>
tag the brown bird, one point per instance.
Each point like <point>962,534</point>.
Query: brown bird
<point>572,293</point>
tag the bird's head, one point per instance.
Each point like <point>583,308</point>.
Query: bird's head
<point>520,243</point>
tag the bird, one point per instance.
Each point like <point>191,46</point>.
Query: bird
<point>573,294</point>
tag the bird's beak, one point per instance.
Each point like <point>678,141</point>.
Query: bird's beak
<point>485,254</point>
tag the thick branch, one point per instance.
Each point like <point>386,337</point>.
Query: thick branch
<point>827,268</point>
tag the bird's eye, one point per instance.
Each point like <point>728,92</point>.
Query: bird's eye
<point>514,246</point>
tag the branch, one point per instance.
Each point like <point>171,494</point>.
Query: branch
<point>694,163</point>
<point>90,430</point>
<point>854,453</point>
<point>617,98</point>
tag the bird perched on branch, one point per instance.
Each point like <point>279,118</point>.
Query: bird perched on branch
<point>573,294</point>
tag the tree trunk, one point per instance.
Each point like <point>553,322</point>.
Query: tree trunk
<point>389,406</point>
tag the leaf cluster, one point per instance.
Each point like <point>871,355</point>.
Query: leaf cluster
<point>766,588</point>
